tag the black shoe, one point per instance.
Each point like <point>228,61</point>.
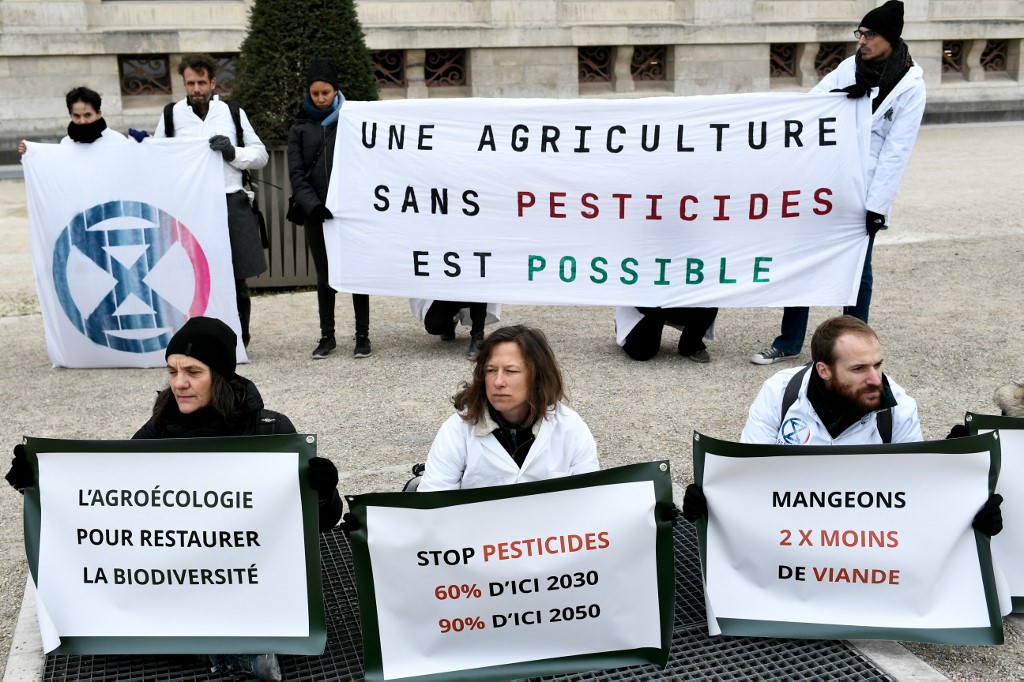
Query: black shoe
<point>362,349</point>
<point>474,340</point>
<point>324,348</point>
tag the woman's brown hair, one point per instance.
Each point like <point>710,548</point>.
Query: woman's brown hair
<point>546,386</point>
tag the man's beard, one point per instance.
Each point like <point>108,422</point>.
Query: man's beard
<point>200,100</point>
<point>861,398</point>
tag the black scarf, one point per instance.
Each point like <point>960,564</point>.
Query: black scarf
<point>836,412</point>
<point>884,75</point>
<point>515,439</point>
<point>87,133</point>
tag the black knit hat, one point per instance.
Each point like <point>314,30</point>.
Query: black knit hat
<point>208,340</point>
<point>323,70</point>
<point>887,21</point>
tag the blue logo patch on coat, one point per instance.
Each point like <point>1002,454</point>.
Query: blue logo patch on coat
<point>795,431</point>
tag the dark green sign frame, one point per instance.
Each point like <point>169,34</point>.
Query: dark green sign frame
<point>993,634</point>
<point>304,444</point>
<point>656,472</point>
<point>976,423</point>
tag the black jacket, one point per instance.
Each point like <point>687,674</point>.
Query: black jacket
<point>251,419</point>
<point>305,139</point>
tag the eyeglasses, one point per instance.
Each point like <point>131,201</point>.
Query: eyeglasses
<point>866,35</point>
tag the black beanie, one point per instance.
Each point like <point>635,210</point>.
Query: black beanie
<point>887,21</point>
<point>322,70</point>
<point>208,340</point>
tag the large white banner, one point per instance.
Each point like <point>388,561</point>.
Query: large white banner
<point>128,242</point>
<point>849,541</point>
<point>478,580</point>
<point>134,549</point>
<point>738,200</point>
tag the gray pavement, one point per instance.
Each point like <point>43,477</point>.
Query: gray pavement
<point>947,308</point>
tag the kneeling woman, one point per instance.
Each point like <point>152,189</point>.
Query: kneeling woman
<point>205,398</point>
<point>511,424</point>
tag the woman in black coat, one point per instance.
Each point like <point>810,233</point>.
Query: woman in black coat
<point>310,158</point>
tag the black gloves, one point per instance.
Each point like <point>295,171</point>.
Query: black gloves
<point>695,505</point>
<point>874,222</point>
<point>320,213</point>
<point>958,431</point>
<point>349,524</point>
<point>854,91</point>
<point>323,476</point>
<point>220,143</point>
<point>672,515</point>
<point>989,520</point>
<point>20,476</point>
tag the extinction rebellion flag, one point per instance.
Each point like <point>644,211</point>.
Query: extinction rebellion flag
<point>128,241</point>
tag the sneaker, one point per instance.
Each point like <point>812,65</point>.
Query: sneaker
<point>702,356</point>
<point>362,349</point>
<point>770,355</point>
<point>324,348</point>
<point>474,340</point>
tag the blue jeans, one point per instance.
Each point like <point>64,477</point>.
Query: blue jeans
<point>794,320</point>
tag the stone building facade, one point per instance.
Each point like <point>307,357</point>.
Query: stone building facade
<point>970,51</point>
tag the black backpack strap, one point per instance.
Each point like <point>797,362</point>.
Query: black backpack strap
<point>792,391</point>
<point>169,120</point>
<point>236,117</point>
<point>883,421</point>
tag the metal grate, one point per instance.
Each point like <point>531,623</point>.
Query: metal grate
<point>694,654</point>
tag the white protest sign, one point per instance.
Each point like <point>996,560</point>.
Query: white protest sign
<point>196,544</point>
<point>738,200</point>
<point>1008,546</point>
<point>128,241</point>
<point>832,543</point>
<point>514,580</point>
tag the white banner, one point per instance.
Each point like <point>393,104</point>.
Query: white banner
<point>128,241</point>
<point>511,580</point>
<point>880,544</point>
<point>739,200</point>
<point>182,544</point>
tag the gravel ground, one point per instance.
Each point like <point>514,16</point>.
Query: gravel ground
<point>947,280</point>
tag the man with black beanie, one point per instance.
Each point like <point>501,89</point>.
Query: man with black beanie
<point>883,70</point>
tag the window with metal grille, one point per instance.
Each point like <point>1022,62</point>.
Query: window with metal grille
<point>782,60</point>
<point>828,58</point>
<point>595,64</point>
<point>389,68</point>
<point>993,57</point>
<point>649,63</point>
<point>144,75</point>
<point>952,56</point>
<point>444,68</point>
<point>227,69</point>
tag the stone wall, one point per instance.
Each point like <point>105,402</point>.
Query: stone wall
<point>514,48</point>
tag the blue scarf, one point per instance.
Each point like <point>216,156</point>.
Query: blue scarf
<point>326,116</point>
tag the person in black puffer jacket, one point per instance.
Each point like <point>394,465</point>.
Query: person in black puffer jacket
<point>310,158</point>
<point>205,398</point>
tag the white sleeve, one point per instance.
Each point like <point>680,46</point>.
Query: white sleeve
<point>253,155</point>
<point>584,456</point>
<point>446,461</point>
<point>763,418</point>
